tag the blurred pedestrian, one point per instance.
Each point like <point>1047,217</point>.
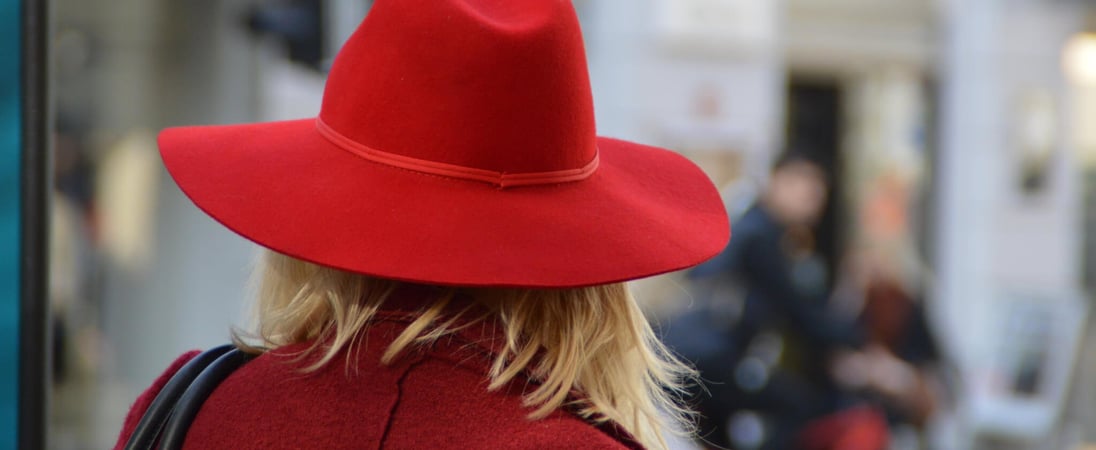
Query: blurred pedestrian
<point>899,369</point>
<point>772,357</point>
<point>448,242</point>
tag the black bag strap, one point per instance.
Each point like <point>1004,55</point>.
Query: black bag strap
<point>196,394</point>
<point>154,422</point>
<point>148,430</point>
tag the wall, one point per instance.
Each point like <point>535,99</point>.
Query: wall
<point>1006,259</point>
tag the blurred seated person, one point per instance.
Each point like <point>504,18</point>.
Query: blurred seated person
<point>767,353</point>
<point>898,367</point>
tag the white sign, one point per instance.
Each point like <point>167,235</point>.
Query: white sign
<point>717,24</point>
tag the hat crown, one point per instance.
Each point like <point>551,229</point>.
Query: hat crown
<point>493,85</point>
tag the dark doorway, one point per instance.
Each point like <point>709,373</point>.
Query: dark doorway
<point>814,128</point>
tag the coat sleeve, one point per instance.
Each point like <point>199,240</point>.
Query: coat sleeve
<point>769,274</point>
<point>143,402</point>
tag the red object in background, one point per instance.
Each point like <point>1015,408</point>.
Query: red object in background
<point>888,311</point>
<point>860,428</point>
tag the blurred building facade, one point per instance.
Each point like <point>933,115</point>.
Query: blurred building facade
<point>954,134</point>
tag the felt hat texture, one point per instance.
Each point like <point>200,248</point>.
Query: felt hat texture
<point>456,145</point>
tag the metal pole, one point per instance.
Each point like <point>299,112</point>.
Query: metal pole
<point>34,326</point>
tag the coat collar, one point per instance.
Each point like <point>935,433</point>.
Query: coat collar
<point>480,337</point>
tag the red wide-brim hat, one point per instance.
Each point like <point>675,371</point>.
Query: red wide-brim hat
<point>456,146</point>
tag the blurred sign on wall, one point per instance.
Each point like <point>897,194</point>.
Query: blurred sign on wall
<point>735,25</point>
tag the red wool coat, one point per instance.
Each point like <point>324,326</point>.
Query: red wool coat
<point>434,398</point>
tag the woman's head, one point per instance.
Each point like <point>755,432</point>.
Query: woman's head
<point>593,340</point>
<point>453,158</point>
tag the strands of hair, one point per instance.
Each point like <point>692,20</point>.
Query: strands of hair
<point>594,341</point>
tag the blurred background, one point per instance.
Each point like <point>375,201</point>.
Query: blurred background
<point>955,141</point>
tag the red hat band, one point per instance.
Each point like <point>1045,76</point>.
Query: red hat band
<point>487,90</point>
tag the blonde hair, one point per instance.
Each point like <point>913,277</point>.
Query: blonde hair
<point>593,340</point>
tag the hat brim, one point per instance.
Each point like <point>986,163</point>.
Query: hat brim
<point>282,185</point>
